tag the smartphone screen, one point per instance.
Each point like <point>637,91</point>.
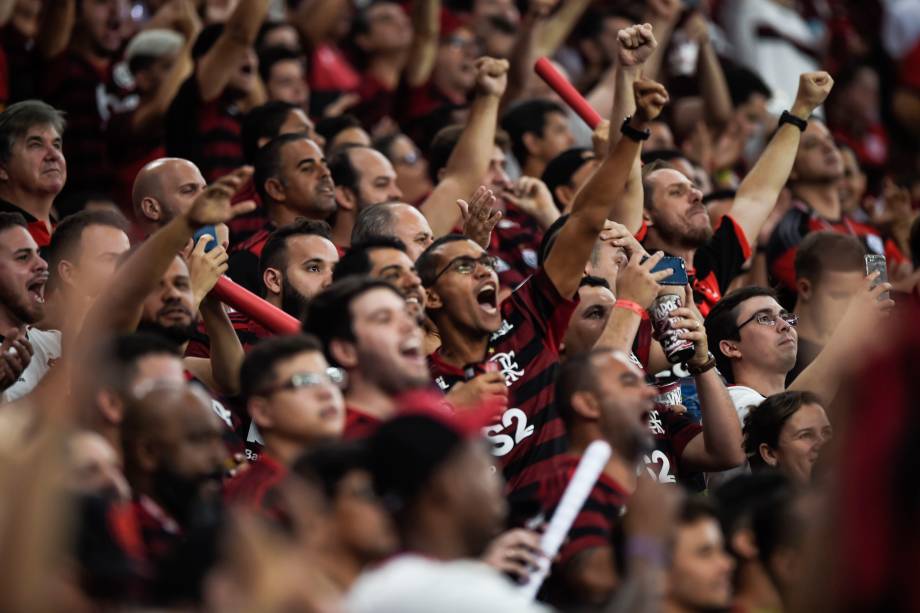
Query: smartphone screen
<point>209,230</point>
<point>677,265</point>
<point>877,263</point>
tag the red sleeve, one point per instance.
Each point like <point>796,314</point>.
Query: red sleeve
<point>739,233</point>
<point>551,311</point>
<point>642,232</point>
<point>681,430</point>
<point>783,269</point>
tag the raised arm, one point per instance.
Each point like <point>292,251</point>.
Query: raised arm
<point>117,309</point>
<point>566,261</point>
<point>759,190</point>
<point>469,160</point>
<point>426,26</point>
<point>714,88</point>
<point>636,45</point>
<point>718,447</point>
<point>663,15</point>
<point>56,28</point>
<point>316,20</point>
<point>217,66</point>
<point>553,31</point>
<point>149,115</point>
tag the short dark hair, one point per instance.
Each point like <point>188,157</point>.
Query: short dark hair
<point>444,142</point>
<point>373,221</point>
<point>68,234</point>
<point>385,142</point>
<point>764,422</point>
<point>330,127</point>
<point>274,253</point>
<point>696,508</point>
<point>648,190</point>
<point>427,264</point>
<point>117,358</point>
<point>744,83</point>
<point>357,260</point>
<point>528,116</point>
<point>328,315</point>
<point>560,170</point>
<point>739,497</point>
<point>274,55</point>
<point>264,121</point>
<point>16,120</point>
<point>206,39</point>
<point>343,171</point>
<point>268,162</point>
<point>576,374</point>
<point>826,251</point>
<point>11,220</point>
<point>258,370</point>
<point>722,323</point>
<point>327,465</point>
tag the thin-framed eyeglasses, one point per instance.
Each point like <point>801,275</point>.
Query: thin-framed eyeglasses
<point>465,265</point>
<point>764,318</point>
<point>331,376</point>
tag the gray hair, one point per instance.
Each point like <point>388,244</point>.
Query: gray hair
<point>16,120</point>
<point>374,221</point>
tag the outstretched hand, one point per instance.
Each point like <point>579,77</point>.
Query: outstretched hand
<point>214,206</point>
<point>479,216</point>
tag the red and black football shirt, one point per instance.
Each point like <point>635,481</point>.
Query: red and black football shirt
<point>256,488</point>
<point>716,264</point>
<point>672,432</point>
<point>359,425</point>
<point>526,349</point>
<point>244,260</point>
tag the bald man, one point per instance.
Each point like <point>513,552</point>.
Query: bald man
<point>174,460</point>
<point>163,189</point>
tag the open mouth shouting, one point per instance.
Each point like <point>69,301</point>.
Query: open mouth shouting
<point>411,350</point>
<point>36,288</point>
<point>487,297</point>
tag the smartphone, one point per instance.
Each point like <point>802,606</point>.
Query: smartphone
<point>877,263</point>
<point>210,231</point>
<point>677,265</point>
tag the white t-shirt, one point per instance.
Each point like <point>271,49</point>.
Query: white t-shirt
<point>414,584</point>
<point>743,398</point>
<point>46,350</point>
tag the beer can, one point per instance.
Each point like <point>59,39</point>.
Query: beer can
<point>676,349</point>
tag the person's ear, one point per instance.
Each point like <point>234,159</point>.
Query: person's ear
<point>647,217</point>
<point>346,198</point>
<point>273,279</point>
<point>4,175</point>
<point>564,194</point>
<point>151,209</point>
<point>768,454</point>
<point>531,144</point>
<point>275,189</point>
<point>110,406</point>
<point>744,544</point>
<point>434,300</point>
<point>730,349</point>
<point>67,272</point>
<point>585,404</point>
<point>804,289</point>
<point>441,174</point>
<point>260,412</point>
<point>344,353</point>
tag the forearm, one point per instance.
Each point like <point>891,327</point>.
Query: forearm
<point>620,331</point>
<point>603,194</point>
<point>243,25</point>
<point>626,209</point>
<point>554,31</point>
<point>56,28</point>
<point>718,100</point>
<point>523,55</point>
<point>652,68</point>
<point>316,20</point>
<point>721,427</point>
<point>465,168</point>
<point>226,350</point>
<point>149,116</point>
<point>424,48</point>
<point>823,375</point>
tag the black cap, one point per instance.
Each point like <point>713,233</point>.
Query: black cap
<point>563,167</point>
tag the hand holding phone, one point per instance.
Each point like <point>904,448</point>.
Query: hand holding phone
<point>877,263</point>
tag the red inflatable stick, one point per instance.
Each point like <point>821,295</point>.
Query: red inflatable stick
<point>544,68</point>
<point>263,313</point>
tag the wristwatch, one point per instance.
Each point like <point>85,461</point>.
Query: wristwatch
<point>709,364</point>
<point>632,133</point>
<point>798,122</point>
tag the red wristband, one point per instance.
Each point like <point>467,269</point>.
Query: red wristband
<point>632,306</point>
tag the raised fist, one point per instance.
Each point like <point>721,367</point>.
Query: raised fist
<point>636,44</point>
<point>650,99</point>
<point>491,76</point>
<point>813,90</point>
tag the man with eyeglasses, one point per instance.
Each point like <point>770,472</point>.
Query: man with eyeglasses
<point>294,399</point>
<point>520,337</point>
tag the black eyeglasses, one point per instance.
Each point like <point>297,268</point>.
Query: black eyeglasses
<point>769,319</point>
<point>331,376</point>
<point>465,265</point>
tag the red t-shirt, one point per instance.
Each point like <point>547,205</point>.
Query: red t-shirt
<point>256,487</point>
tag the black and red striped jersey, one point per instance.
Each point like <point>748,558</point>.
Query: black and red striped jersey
<point>256,488</point>
<point>525,349</point>
<point>673,432</point>
<point>244,259</point>
<point>205,133</point>
<point>515,242</point>
<point>359,425</point>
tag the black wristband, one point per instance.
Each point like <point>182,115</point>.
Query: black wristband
<point>789,118</point>
<point>632,133</point>
<point>709,364</point>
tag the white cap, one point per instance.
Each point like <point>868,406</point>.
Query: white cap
<point>154,43</point>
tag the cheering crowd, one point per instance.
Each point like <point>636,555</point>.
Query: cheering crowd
<point>318,305</point>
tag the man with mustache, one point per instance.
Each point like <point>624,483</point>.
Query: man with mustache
<point>671,217</point>
<point>174,459</point>
<point>293,181</point>
<point>33,170</point>
<point>26,353</point>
